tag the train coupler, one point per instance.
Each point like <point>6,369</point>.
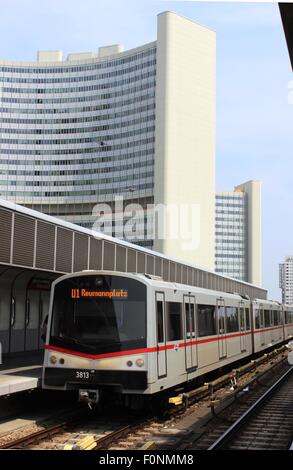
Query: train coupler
<point>91,397</point>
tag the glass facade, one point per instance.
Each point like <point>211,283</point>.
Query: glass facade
<point>75,134</point>
<point>231,235</point>
<point>286,280</point>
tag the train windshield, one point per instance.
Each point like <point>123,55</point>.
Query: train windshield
<point>99,314</point>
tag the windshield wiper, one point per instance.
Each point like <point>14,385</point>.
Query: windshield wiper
<point>76,341</point>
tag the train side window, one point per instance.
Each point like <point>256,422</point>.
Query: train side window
<point>257,318</point>
<point>247,314</point>
<point>232,319</point>
<point>160,321</point>
<point>206,320</point>
<point>267,317</point>
<point>288,317</point>
<point>276,317</point>
<point>192,320</point>
<point>174,321</point>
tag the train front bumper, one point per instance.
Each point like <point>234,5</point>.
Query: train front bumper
<point>76,379</point>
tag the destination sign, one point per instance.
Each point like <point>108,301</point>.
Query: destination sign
<point>115,293</point>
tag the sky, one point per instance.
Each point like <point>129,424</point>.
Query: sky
<point>254,115</point>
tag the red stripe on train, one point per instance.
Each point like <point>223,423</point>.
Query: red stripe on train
<point>155,348</point>
<point>141,350</point>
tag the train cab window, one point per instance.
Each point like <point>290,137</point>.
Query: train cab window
<point>247,315</point>
<point>232,319</point>
<point>206,320</point>
<point>98,314</point>
<point>267,316</point>
<point>160,321</point>
<point>174,321</point>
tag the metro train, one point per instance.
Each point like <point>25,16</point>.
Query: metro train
<point>137,335</point>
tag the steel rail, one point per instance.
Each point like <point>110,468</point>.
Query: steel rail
<point>230,433</point>
<point>43,433</point>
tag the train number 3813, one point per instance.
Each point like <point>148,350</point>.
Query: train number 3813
<point>80,374</point>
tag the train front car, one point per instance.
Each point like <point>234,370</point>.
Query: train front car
<point>96,335</point>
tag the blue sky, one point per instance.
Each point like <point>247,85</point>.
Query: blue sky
<point>254,117</point>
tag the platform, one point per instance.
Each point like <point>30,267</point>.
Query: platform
<point>20,373</point>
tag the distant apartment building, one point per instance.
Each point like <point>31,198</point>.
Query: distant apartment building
<point>138,123</point>
<point>238,233</point>
<point>286,280</point>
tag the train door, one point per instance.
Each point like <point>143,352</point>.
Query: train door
<point>161,335</point>
<point>32,321</point>
<point>18,311</point>
<point>190,332</point>
<point>242,327</point>
<point>43,313</point>
<point>17,326</point>
<point>222,341</point>
<point>272,335</point>
<point>262,325</point>
<point>5,307</point>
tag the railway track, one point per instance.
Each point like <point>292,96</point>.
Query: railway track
<point>83,431</point>
<point>88,431</point>
<point>267,424</point>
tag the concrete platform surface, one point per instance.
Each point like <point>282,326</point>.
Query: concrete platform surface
<point>20,373</point>
<point>20,380</point>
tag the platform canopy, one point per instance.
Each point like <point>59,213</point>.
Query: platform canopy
<point>286,10</point>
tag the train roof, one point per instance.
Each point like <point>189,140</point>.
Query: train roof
<point>288,307</point>
<point>268,302</point>
<point>102,236</point>
<point>156,281</point>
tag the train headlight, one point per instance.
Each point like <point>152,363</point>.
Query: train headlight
<point>139,362</point>
<point>53,359</point>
